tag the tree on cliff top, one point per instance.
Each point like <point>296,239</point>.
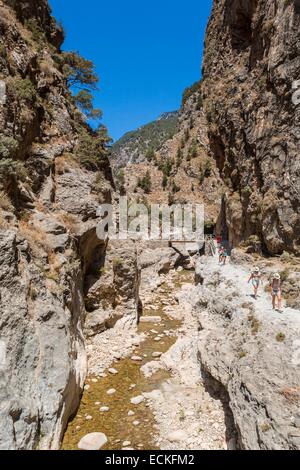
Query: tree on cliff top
<point>79,72</point>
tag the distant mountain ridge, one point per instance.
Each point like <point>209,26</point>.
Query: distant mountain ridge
<point>134,145</point>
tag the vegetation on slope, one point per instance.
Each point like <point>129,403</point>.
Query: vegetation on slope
<point>147,138</point>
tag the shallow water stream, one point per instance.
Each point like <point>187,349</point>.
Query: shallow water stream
<point>128,383</point>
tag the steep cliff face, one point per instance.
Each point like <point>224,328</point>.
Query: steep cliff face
<point>53,175</point>
<point>250,71</point>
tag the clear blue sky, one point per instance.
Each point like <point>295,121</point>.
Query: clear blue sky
<point>145,52</point>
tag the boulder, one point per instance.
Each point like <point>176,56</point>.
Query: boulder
<point>92,441</point>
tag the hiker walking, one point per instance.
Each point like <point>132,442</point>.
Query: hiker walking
<point>276,291</point>
<point>224,256</point>
<point>255,278</point>
<point>221,251</point>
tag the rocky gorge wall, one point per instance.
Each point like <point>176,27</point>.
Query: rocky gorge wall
<point>53,176</point>
<point>250,74</point>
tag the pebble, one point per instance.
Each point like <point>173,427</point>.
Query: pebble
<point>112,371</point>
<point>103,375</point>
<point>94,380</point>
<point>132,386</point>
<point>92,441</point>
<point>177,436</point>
<point>89,417</point>
<point>111,391</point>
<point>137,400</point>
<point>86,387</point>
<point>126,443</point>
<point>97,403</point>
<point>136,423</point>
<point>149,319</point>
<point>131,413</point>
<point>103,409</point>
<point>156,354</point>
<point>157,338</point>
<point>136,358</point>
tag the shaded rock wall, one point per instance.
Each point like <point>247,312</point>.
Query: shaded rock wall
<point>251,68</point>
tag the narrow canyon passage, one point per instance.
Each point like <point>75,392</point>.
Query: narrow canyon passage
<point>154,398</point>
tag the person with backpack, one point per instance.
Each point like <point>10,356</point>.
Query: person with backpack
<point>255,278</point>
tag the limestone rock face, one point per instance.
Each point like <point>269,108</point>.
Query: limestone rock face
<point>251,76</point>
<point>253,352</point>
<point>48,242</point>
<point>112,287</point>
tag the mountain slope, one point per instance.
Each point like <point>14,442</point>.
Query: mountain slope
<point>134,145</point>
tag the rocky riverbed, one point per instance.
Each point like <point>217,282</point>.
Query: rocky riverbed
<point>152,395</point>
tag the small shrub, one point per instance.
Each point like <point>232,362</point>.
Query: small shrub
<point>207,169</point>
<point>280,337</point>
<point>33,293</point>
<point>12,169</point>
<point>175,188</point>
<point>117,263</point>
<point>255,324</point>
<point>145,183</point>
<point>265,427</point>
<point>5,202</point>
<point>286,257</point>
<point>242,354</point>
<point>284,275</point>
<point>150,155</point>
<point>167,167</point>
<point>179,157</point>
<point>8,146</point>
<point>22,89</point>
<point>165,182</point>
<point>120,180</point>
<point>188,92</point>
<point>186,135</point>
<point>37,33</point>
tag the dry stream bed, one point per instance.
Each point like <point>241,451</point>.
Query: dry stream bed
<point>128,382</point>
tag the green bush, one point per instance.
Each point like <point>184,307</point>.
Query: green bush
<point>207,169</point>
<point>38,34</point>
<point>11,169</point>
<point>22,89</point>
<point>8,146</point>
<point>166,167</point>
<point>179,157</point>
<point>150,155</point>
<point>175,188</point>
<point>165,182</point>
<point>145,183</point>
<point>92,146</point>
<point>5,202</point>
<point>196,87</point>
